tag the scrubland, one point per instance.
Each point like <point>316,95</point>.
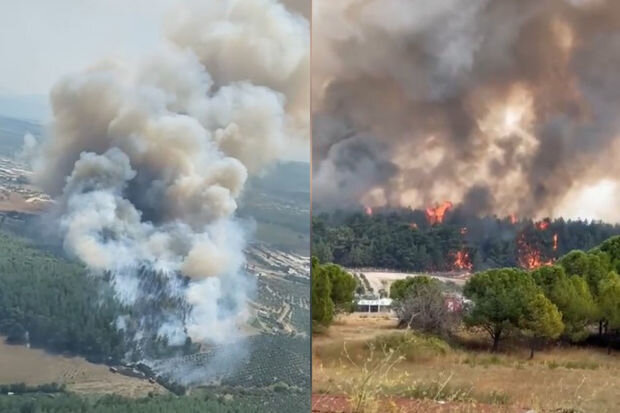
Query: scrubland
<point>363,363</point>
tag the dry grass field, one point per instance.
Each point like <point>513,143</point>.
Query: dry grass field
<point>353,359</point>
<point>19,364</point>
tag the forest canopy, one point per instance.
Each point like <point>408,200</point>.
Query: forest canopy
<point>405,240</point>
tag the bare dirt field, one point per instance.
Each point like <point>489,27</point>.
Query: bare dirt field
<point>379,280</point>
<point>443,374</point>
<point>15,202</point>
<point>19,364</point>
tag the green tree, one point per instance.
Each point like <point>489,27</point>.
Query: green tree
<point>571,296</point>
<point>611,247</point>
<point>593,267</point>
<point>410,285</point>
<point>610,300</point>
<point>322,251</point>
<point>541,320</point>
<point>342,286</point>
<point>322,304</point>
<point>500,300</point>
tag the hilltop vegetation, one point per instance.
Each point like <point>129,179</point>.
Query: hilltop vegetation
<point>405,240</point>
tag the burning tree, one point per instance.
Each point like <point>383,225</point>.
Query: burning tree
<point>402,239</point>
<point>436,214</point>
<point>534,247</point>
<point>462,261</point>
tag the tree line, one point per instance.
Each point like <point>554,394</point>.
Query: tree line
<point>404,240</point>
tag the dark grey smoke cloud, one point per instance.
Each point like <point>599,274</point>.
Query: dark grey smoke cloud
<point>508,105</point>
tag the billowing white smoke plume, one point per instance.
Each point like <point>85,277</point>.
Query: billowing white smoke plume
<point>147,161</point>
<point>506,106</point>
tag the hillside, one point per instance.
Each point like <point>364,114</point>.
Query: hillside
<point>410,240</point>
<point>12,133</point>
<point>278,202</point>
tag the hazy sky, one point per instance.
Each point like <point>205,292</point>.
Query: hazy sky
<point>43,40</point>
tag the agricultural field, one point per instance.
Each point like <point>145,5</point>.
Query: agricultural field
<point>277,203</point>
<point>282,304</point>
<point>32,367</point>
<point>254,364</point>
<point>425,373</point>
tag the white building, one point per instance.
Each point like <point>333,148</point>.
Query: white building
<point>374,305</point>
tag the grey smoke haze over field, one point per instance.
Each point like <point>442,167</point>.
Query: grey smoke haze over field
<point>147,160</point>
<point>510,106</point>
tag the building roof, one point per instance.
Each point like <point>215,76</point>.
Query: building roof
<point>381,302</point>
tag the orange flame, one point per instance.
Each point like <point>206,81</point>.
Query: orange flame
<point>542,225</point>
<point>435,215</point>
<point>555,242</point>
<point>368,211</point>
<point>513,219</point>
<point>462,261</point>
<point>463,230</point>
<point>413,225</point>
<point>529,256</point>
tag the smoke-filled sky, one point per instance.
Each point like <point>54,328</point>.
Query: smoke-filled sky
<point>507,106</point>
<point>146,158</point>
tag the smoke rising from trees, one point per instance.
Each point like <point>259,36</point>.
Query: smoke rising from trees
<point>509,104</point>
<point>147,160</point>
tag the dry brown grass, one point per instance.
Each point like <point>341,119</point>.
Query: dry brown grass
<point>19,364</point>
<point>583,378</point>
